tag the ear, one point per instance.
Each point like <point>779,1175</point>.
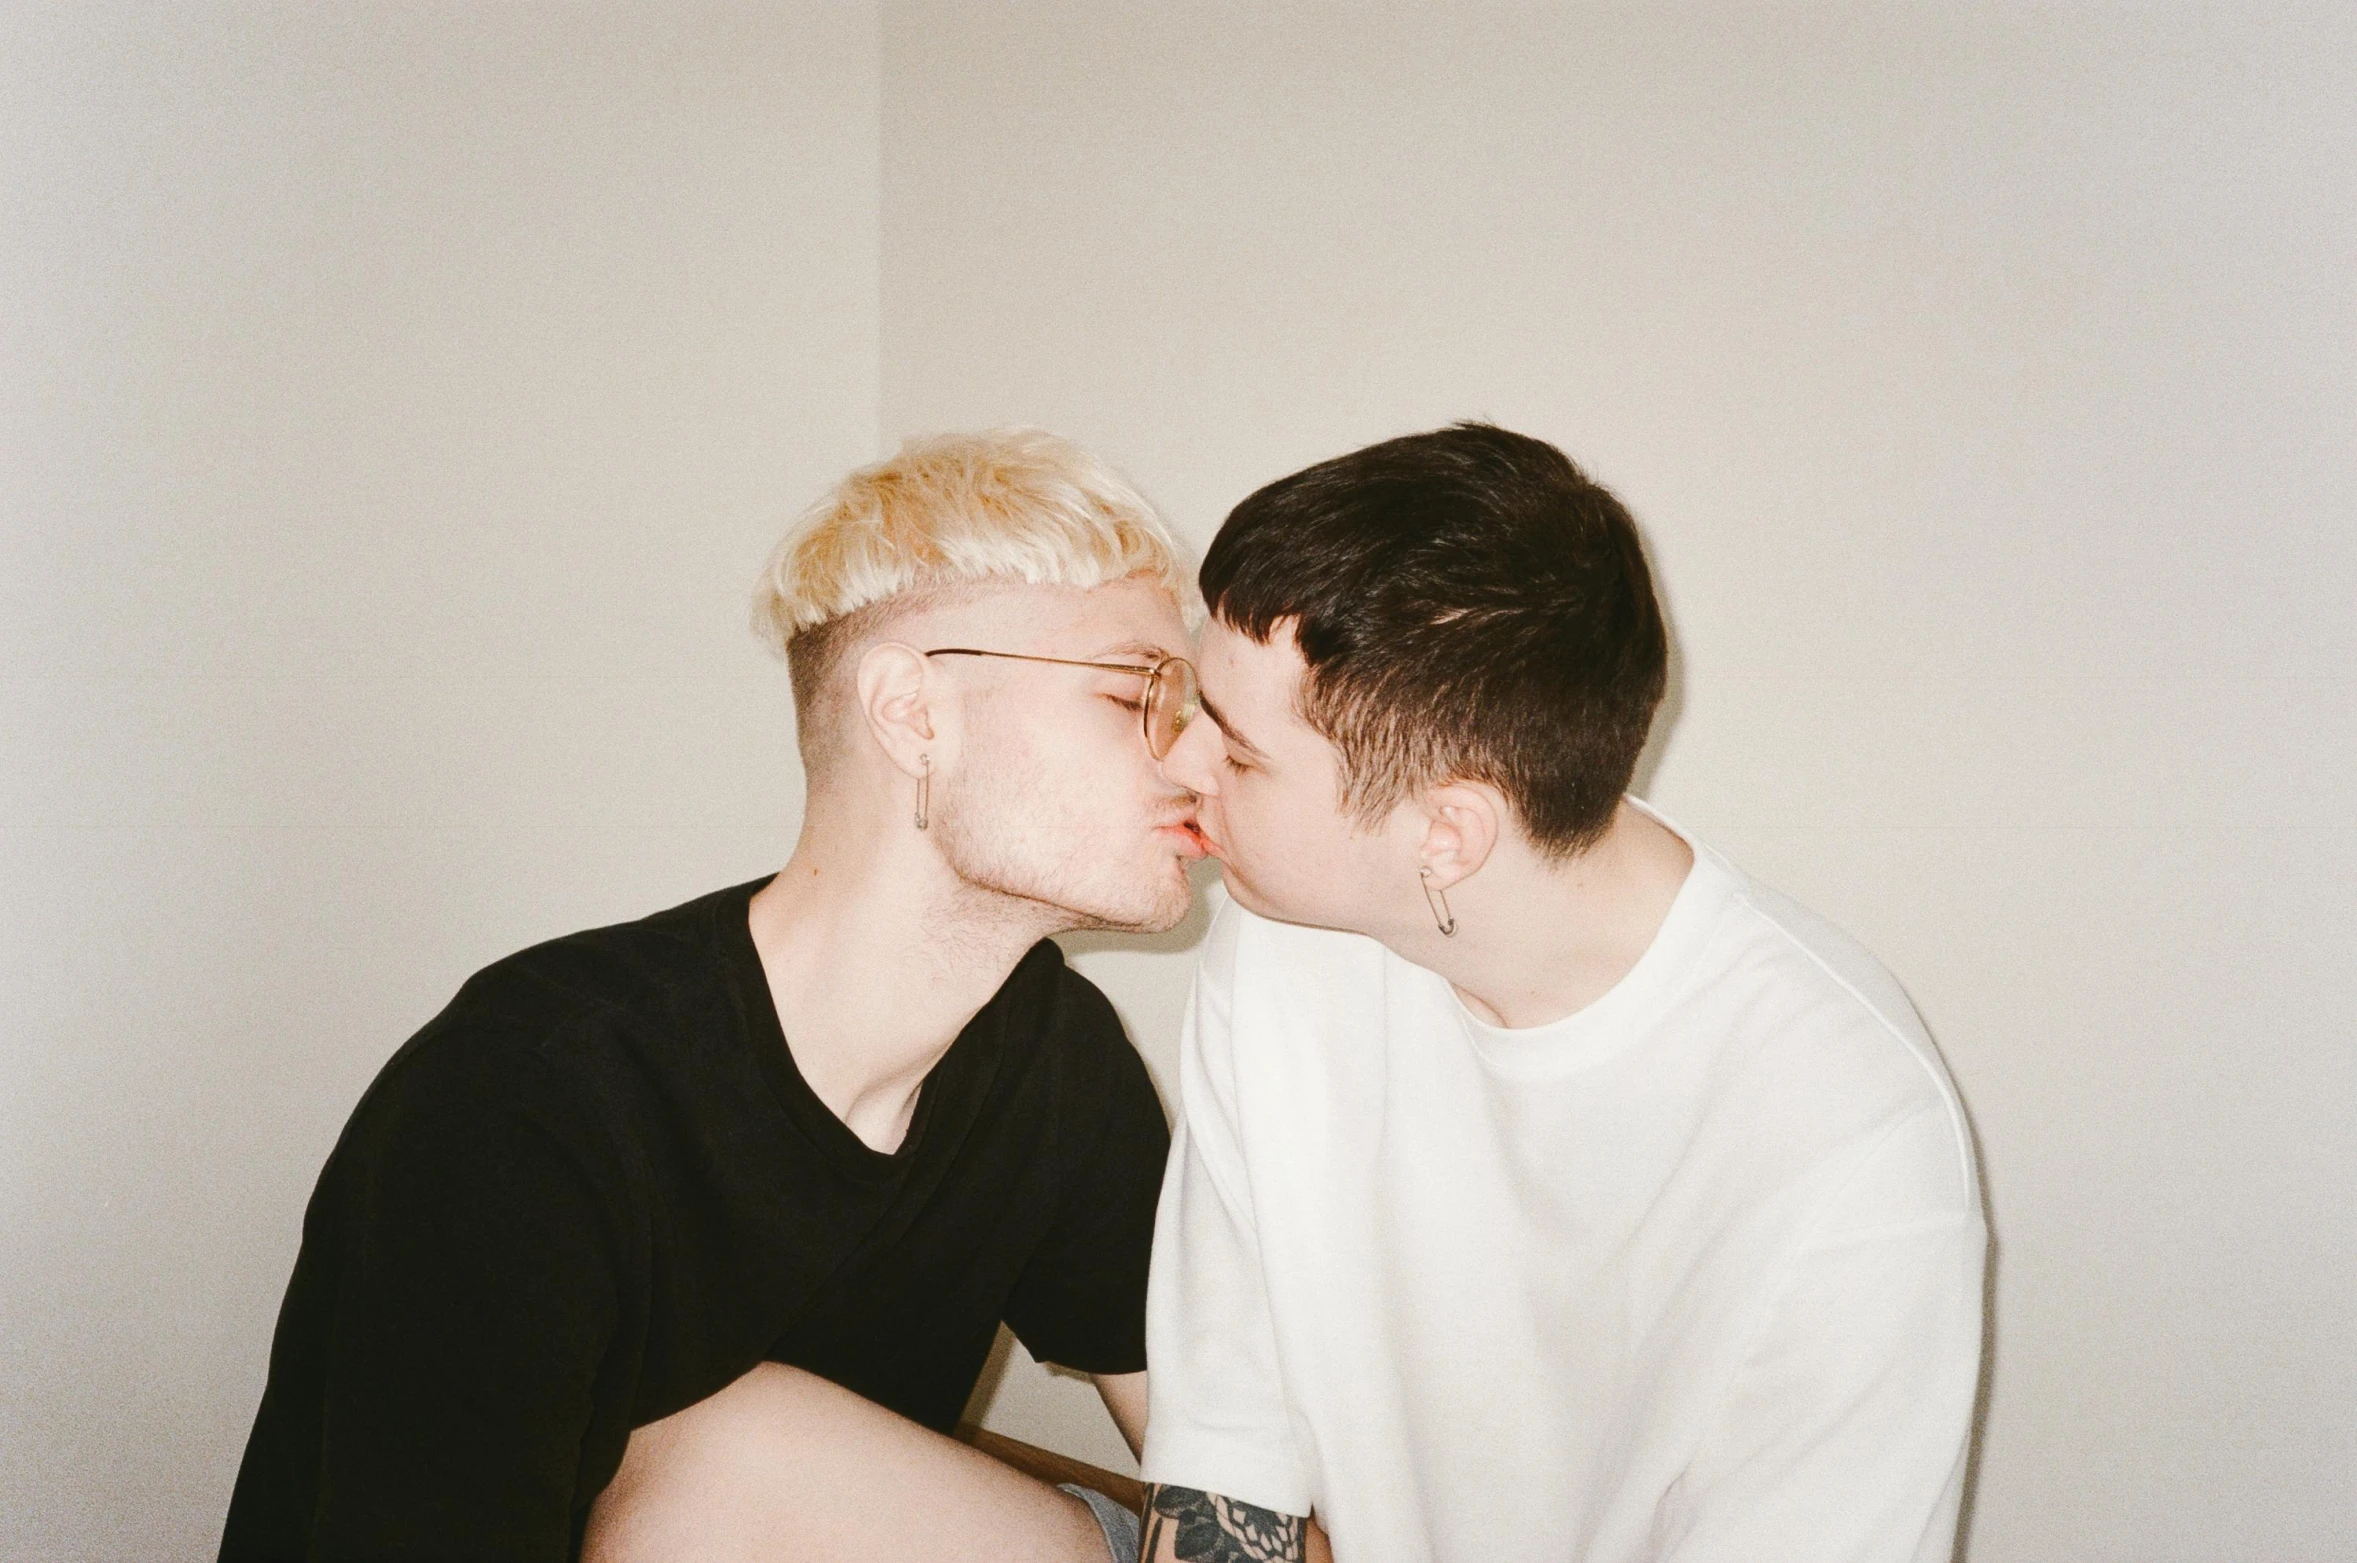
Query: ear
<point>897,696</point>
<point>1462,823</point>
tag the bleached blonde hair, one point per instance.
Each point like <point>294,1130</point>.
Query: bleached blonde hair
<point>950,511</point>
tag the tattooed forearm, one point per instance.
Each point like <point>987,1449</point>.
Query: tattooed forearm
<point>1204,1527</point>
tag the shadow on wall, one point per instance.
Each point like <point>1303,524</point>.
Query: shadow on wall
<point>1673,689</point>
<point>1980,1399</point>
<point>994,1369</point>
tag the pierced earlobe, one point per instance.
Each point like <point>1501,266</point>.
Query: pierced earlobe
<point>1438,900</point>
<point>925,792</point>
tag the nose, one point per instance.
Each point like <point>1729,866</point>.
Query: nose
<point>1192,760</point>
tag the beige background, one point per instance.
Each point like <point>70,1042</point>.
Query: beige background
<point>398,402</point>
<point>395,400</point>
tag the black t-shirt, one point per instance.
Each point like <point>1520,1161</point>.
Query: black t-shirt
<point>595,1190</point>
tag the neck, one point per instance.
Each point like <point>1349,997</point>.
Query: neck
<point>877,957</point>
<point>1538,939</point>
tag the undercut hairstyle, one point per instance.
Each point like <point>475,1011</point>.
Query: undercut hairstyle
<point>949,512</point>
<point>1471,606</point>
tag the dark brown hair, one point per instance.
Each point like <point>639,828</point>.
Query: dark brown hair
<point>1470,605</point>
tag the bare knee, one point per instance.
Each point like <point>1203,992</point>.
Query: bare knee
<point>771,1403</point>
<point>692,1476</point>
<point>784,1465</point>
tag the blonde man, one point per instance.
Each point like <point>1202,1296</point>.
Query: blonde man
<point>687,1238</point>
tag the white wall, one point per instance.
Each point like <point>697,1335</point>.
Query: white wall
<point>1986,381</point>
<point>395,400</point>
<point>396,403</point>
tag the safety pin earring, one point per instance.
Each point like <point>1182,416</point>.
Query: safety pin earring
<point>924,791</point>
<point>1437,899</point>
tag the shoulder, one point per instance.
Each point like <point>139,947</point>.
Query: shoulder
<point>1826,1045</point>
<point>1266,988</point>
<point>617,969</point>
<point>1809,990</point>
<point>1247,950</point>
<point>583,1013</point>
<point>536,1042</point>
<point>1281,1014</point>
<point>1044,1011</point>
<point>1816,955</point>
<point>470,1101</point>
<point>1053,1019</point>
<point>470,1141</point>
<point>1097,1084</point>
<point>1075,1007</point>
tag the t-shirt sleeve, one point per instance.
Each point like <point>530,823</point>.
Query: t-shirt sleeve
<point>1081,1299</point>
<point>474,1304</point>
<point>1219,1420</point>
<point>1842,1437</point>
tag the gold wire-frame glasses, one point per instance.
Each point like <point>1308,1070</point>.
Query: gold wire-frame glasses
<point>1172,695</point>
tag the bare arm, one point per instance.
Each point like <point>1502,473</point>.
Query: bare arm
<point>1124,1395</point>
<point>1187,1525</point>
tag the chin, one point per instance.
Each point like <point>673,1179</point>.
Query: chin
<point>1109,921</point>
<point>1242,892</point>
<point>1156,910</point>
<point>1165,913</point>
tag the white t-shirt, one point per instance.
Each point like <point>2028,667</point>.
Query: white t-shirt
<point>1692,1274</point>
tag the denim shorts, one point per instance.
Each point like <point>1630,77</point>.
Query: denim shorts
<point>1119,1525</point>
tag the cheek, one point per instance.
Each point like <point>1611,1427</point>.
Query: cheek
<point>1085,746</point>
<point>1277,827</point>
<point>1114,786</point>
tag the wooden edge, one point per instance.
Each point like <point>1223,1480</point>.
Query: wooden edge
<point>1048,1466</point>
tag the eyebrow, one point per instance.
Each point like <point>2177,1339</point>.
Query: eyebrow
<point>1225,726</point>
<point>1143,650</point>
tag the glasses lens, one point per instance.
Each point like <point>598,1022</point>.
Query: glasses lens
<point>1171,703</point>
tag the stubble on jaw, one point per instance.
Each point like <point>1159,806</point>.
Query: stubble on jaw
<point>1002,846</point>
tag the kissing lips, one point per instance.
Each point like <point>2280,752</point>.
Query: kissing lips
<point>1192,842</point>
<point>1204,845</point>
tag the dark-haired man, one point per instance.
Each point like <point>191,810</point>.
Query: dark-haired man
<point>1547,1188</point>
